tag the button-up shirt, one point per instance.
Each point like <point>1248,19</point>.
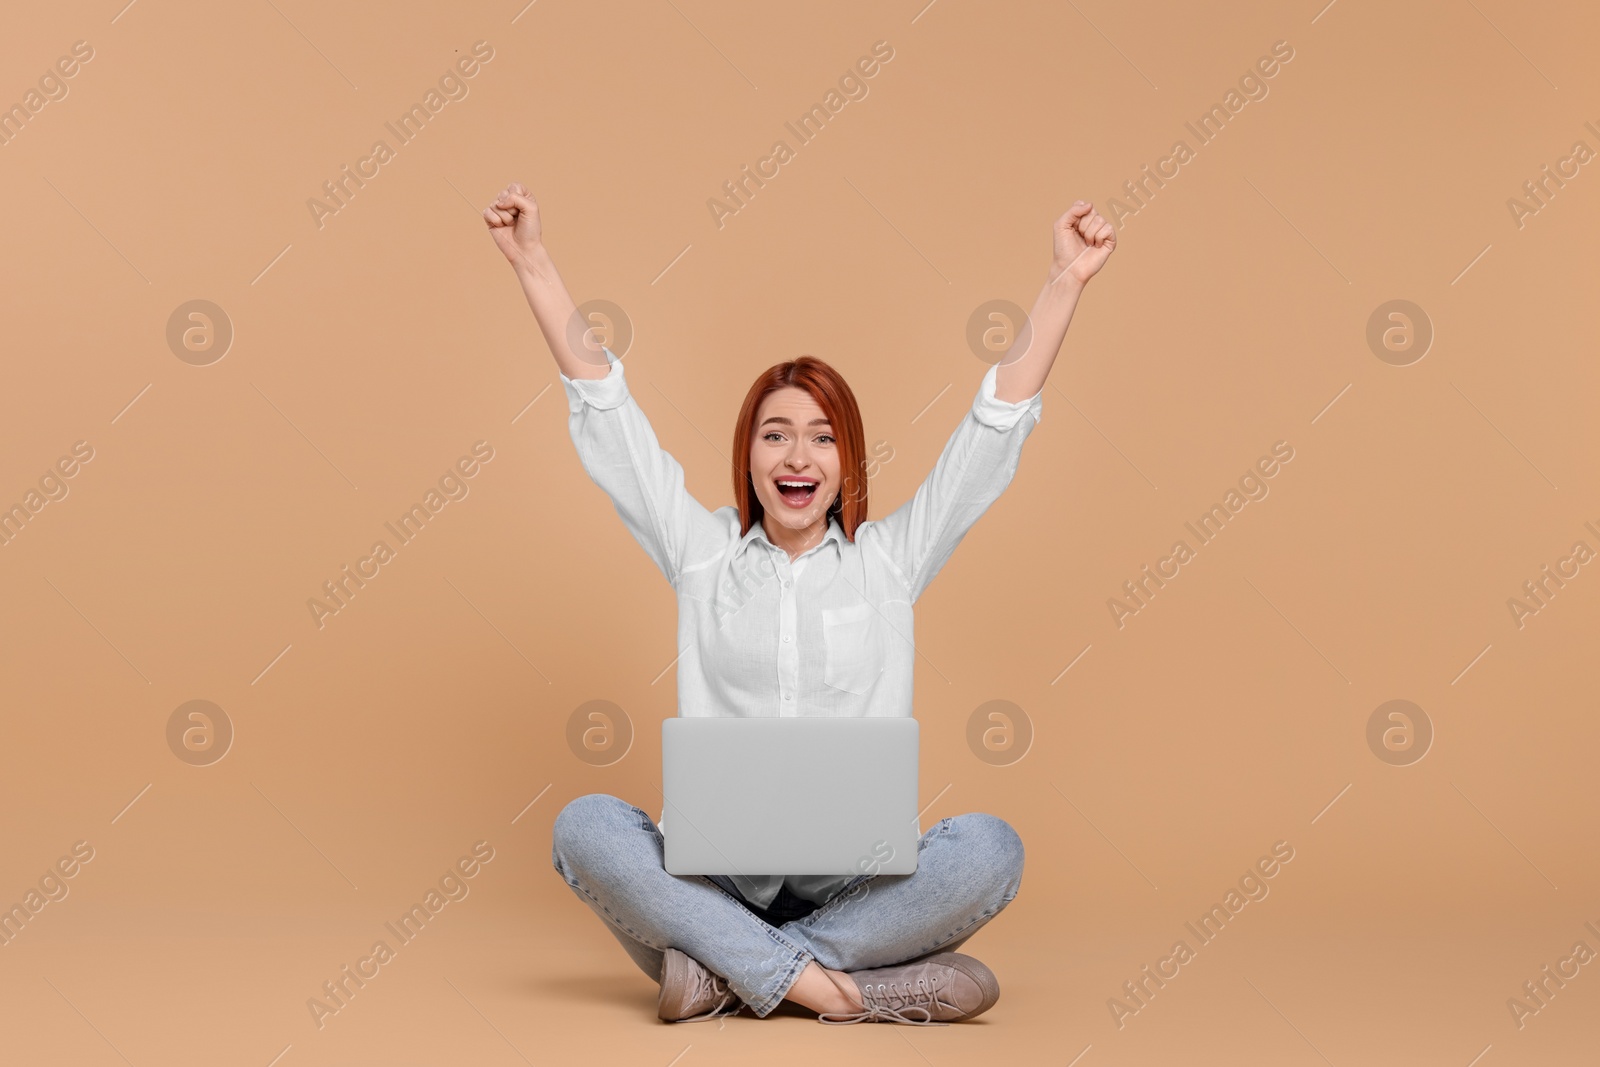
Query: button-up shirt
<point>827,633</point>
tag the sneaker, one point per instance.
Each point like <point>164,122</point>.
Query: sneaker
<point>690,992</point>
<point>932,991</point>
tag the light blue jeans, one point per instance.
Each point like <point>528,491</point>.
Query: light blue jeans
<point>969,867</point>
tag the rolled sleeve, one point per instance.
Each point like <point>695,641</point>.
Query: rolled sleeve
<point>1002,415</point>
<point>602,393</point>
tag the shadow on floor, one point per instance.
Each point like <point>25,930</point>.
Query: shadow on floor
<point>631,992</point>
<point>626,992</point>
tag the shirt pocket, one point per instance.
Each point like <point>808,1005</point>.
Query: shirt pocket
<point>853,642</point>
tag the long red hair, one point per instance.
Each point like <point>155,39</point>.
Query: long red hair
<point>832,394</point>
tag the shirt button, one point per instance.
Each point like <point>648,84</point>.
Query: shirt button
<point>786,581</point>
<point>788,696</point>
<point>786,637</point>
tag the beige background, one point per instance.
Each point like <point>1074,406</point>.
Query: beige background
<point>371,353</point>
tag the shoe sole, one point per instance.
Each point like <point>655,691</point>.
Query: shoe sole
<point>674,980</point>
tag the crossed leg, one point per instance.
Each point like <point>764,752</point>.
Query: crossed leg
<point>969,867</point>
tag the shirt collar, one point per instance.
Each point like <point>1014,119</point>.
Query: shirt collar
<point>835,534</point>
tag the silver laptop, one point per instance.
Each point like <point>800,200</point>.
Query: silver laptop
<point>834,795</point>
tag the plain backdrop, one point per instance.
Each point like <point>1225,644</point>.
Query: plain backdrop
<point>372,347</point>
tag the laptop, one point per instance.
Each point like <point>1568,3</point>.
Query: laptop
<point>836,795</point>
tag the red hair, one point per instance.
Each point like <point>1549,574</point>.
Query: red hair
<point>838,403</point>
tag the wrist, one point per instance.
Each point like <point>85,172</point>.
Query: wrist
<point>535,262</point>
<point>1061,280</point>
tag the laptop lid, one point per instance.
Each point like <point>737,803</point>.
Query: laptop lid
<point>795,795</point>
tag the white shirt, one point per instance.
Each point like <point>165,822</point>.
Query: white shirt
<point>754,639</point>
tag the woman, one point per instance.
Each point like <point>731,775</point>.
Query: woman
<point>795,583</point>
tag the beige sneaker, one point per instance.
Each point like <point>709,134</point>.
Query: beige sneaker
<point>933,991</point>
<point>691,993</point>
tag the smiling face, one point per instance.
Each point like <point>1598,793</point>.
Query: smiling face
<point>793,442</point>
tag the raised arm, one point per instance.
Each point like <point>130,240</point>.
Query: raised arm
<point>615,442</point>
<point>513,221</point>
<point>1083,242</point>
<point>981,457</point>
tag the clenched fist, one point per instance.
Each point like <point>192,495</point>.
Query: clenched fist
<point>1083,242</point>
<point>513,221</point>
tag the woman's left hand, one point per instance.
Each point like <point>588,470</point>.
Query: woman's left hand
<point>1083,243</point>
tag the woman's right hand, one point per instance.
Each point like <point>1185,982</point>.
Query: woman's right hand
<point>513,221</point>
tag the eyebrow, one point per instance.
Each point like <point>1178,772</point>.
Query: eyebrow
<point>790,422</point>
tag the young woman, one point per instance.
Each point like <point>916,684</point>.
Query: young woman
<point>793,602</point>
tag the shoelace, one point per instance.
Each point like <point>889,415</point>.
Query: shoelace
<point>889,1002</point>
<point>708,982</point>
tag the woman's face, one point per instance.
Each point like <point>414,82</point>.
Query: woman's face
<point>794,442</point>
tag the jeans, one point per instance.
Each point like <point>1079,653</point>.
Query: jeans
<point>609,852</point>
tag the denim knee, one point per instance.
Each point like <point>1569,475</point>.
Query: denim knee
<point>992,845</point>
<point>583,822</point>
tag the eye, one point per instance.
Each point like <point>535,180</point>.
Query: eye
<point>770,434</point>
<point>828,437</point>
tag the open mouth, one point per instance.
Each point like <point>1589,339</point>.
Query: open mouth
<point>796,492</point>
